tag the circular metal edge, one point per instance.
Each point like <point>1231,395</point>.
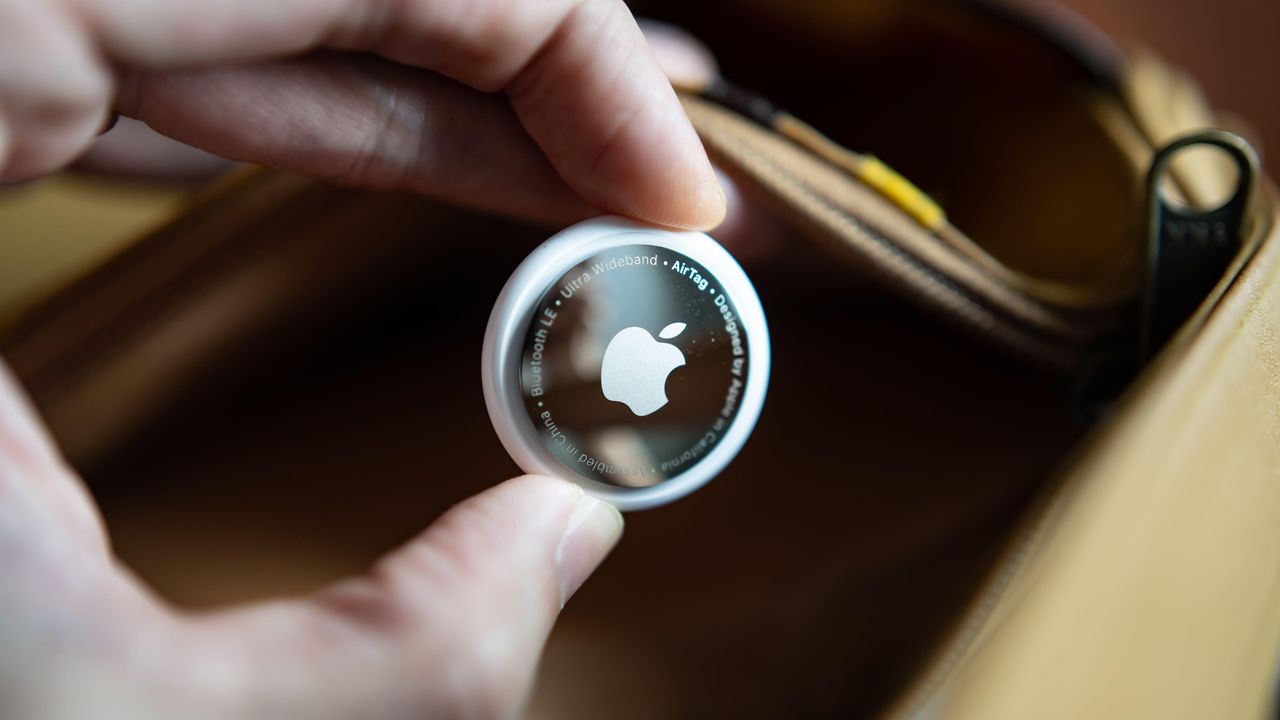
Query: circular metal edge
<point>514,309</point>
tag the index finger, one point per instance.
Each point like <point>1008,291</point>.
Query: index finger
<point>579,74</point>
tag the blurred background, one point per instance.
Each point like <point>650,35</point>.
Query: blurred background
<point>344,430</point>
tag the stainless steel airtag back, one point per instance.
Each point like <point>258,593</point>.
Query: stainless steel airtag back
<point>629,359</point>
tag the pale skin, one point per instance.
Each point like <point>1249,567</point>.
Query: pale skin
<point>550,109</point>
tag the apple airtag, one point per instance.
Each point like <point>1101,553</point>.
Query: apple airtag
<point>629,359</point>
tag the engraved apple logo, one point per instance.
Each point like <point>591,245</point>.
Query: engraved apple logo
<point>635,368</point>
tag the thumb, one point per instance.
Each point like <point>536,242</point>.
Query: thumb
<point>452,624</point>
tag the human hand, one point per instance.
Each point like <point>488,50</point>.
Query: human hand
<point>376,94</point>
<point>396,95</point>
<point>451,624</point>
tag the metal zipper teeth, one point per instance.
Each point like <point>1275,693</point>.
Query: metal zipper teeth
<point>834,224</point>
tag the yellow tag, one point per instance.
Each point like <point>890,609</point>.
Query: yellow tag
<point>902,192</point>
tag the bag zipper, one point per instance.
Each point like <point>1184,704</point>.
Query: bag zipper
<point>1028,328</point>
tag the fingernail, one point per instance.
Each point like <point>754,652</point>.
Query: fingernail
<point>592,531</point>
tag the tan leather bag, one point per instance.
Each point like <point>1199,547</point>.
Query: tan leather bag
<point>932,519</point>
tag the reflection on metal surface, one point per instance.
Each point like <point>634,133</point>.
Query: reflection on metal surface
<point>633,365</point>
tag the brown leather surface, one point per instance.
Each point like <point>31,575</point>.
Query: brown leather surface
<point>1148,587</point>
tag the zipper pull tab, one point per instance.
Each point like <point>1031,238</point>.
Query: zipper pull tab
<point>1189,250</point>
